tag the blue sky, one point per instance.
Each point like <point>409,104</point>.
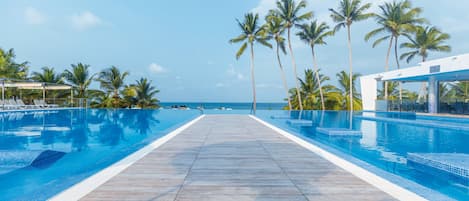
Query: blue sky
<point>183,45</point>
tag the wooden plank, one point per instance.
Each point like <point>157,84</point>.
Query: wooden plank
<point>233,157</point>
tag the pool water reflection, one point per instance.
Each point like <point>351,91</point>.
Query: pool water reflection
<point>70,145</point>
<point>384,144</point>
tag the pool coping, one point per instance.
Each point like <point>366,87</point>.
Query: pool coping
<point>91,183</point>
<point>381,183</point>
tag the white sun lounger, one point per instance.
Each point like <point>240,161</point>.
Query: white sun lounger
<point>39,104</point>
<point>21,103</point>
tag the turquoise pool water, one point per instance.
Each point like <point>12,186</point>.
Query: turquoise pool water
<point>45,152</point>
<point>387,139</point>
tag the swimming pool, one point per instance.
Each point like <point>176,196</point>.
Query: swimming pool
<point>44,152</point>
<point>386,141</point>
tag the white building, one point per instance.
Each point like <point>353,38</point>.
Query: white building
<point>455,68</point>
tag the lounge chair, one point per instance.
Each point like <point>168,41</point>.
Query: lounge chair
<point>5,104</point>
<point>50,105</point>
<point>39,104</point>
<point>13,105</point>
<point>21,103</point>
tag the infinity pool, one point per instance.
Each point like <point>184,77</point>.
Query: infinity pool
<point>386,141</point>
<point>45,152</point>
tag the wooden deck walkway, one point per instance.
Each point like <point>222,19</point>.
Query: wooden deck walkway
<point>233,157</point>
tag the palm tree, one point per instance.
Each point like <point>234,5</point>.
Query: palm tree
<point>310,92</point>
<point>421,42</point>
<point>392,92</point>
<point>461,89</point>
<point>344,84</point>
<point>80,78</point>
<point>47,75</point>
<point>288,10</point>
<point>251,33</point>
<point>395,19</point>
<point>350,11</point>
<point>9,68</point>
<point>275,28</point>
<point>314,34</point>
<point>146,94</point>
<point>112,80</point>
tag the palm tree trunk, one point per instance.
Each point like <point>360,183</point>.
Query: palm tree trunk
<point>300,102</point>
<point>386,69</point>
<point>398,67</point>
<point>350,70</point>
<point>253,80</point>
<point>283,77</point>
<point>316,70</point>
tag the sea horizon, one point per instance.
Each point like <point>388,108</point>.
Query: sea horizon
<point>225,105</point>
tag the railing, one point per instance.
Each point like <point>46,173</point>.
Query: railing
<point>26,103</point>
<point>458,107</point>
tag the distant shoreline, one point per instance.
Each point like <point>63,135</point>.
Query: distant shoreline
<point>224,105</point>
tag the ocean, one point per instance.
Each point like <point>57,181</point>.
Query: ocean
<point>219,105</point>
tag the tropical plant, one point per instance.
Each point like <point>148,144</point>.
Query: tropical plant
<point>129,95</point>
<point>395,19</point>
<point>112,80</point>
<point>47,75</point>
<point>344,86</point>
<point>100,99</point>
<point>424,40</point>
<point>461,89</point>
<point>9,68</point>
<point>80,78</point>
<point>275,29</point>
<point>309,90</point>
<point>421,42</point>
<point>145,94</point>
<point>350,11</point>
<point>251,33</point>
<point>314,34</point>
<point>289,11</point>
<point>393,92</point>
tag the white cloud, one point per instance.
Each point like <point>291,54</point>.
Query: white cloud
<point>34,16</point>
<point>85,20</point>
<point>157,69</point>
<point>232,72</point>
<point>263,7</point>
<point>265,85</point>
<point>220,85</point>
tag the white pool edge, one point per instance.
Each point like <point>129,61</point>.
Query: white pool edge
<point>91,183</point>
<point>386,186</point>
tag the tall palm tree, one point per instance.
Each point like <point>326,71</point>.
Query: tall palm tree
<point>276,28</point>
<point>112,80</point>
<point>289,11</point>
<point>346,86</point>
<point>146,94</point>
<point>9,68</point>
<point>395,19</point>
<point>47,75</point>
<point>314,34</point>
<point>251,33</point>
<point>350,11</point>
<point>421,42</point>
<point>80,78</point>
